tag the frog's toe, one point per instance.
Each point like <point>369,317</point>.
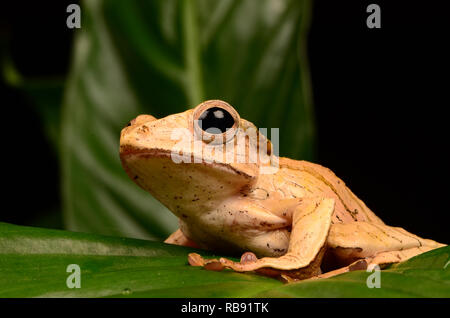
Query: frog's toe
<point>246,264</point>
<point>248,257</point>
<point>195,259</point>
<point>230,264</point>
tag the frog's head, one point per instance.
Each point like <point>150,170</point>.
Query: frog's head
<point>198,157</point>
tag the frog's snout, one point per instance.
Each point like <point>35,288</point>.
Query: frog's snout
<point>127,138</point>
<point>141,119</point>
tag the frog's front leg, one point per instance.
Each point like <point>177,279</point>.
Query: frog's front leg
<point>311,221</point>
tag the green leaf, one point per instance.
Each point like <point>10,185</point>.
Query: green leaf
<point>162,57</point>
<point>34,261</point>
<point>425,275</point>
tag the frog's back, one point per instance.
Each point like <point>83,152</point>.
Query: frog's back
<point>303,178</point>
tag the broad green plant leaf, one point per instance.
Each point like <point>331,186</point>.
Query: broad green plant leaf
<point>34,262</point>
<point>162,57</point>
<point>426,275</point>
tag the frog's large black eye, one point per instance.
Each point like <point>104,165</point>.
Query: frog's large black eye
<point>216,120</point>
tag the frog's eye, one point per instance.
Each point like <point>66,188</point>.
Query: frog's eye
<point>215,121</point>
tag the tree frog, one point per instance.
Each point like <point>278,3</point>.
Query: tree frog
<point>232,194</point>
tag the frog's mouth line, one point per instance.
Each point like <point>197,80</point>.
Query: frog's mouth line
<point>126,151</point>
<point>129,151</point>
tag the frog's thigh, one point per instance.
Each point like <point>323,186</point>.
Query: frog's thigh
<point>398,256</point>
<point>311,222</point>
<point>361,239</point>
<point>178,238</point>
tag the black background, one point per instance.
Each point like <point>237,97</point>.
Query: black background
<point>380,97</point>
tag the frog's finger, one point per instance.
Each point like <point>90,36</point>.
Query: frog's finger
<point>215,265</point>
<point>195,259</point>
<point>248,257</point>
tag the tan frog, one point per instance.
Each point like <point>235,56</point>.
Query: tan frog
<point>292,218</point>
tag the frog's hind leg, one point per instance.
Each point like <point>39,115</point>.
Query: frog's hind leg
<point>362,244</point>
<point>352,241</point>
<point>381,259</point>
<point>385,258</point>
<point>178,238</point>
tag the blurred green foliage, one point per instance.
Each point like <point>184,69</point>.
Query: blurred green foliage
<point>162,57</point>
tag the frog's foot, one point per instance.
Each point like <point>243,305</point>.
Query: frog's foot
<point>382,259</point>
<point>246,258</point>
<point>249,261</point>
<point>250,258</point>
<point>195,259</point>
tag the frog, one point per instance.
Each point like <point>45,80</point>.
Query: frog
<point>233,194</point>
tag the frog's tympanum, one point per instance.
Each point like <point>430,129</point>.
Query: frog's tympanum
<point>233,195</point>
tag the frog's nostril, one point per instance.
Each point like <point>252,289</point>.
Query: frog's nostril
<point>141,119</point>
